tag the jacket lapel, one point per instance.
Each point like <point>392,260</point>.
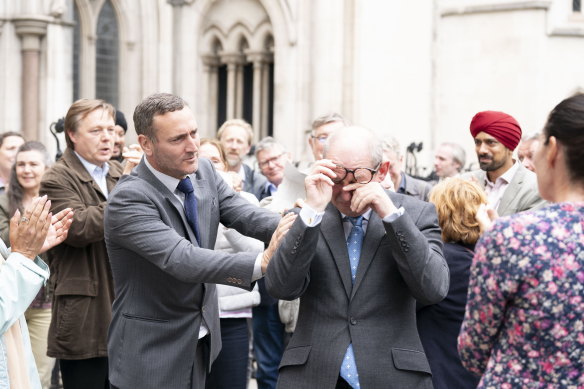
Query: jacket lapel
<point>142,171</point>
<point>332,230</point>
<point>371,241</point>
<point>203,210</point>
<point>508,199</point>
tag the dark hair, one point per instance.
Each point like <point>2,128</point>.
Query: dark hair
<point>566,123</point>
<point>15,192</point>
<point>156,104</point>
<point>121,120</point>
<point>7,134</point>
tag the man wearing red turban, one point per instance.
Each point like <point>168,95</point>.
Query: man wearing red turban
<point>510,187</point>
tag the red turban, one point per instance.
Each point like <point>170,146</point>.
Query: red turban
<point>499,125</point>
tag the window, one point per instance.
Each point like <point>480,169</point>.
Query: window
<point>107,55</point>
<point>76,53</point>
<point>576,6</point>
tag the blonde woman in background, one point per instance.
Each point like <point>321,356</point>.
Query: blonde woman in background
<point>457,203</point>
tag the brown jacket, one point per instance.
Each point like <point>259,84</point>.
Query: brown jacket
<point>80,269</point>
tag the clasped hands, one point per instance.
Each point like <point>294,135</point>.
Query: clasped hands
<point>38,230</point>
<point>320,189</point>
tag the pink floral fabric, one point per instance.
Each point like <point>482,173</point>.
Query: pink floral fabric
<point>524,320</point>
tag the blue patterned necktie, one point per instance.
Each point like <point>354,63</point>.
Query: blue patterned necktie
<point>186,186</point>
<point>354,243</point>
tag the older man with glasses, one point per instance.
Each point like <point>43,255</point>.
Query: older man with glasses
<point>360,258</point>
<point>272,158</point>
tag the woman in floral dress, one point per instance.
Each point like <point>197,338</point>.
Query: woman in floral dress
<point>524,320</point>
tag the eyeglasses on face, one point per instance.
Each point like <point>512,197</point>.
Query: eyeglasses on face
<point>320,138</point>
<point>362,175</point>
<point>275,159</point>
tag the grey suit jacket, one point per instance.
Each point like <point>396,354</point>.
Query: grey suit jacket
<point>162,277</point>
<point>521,194</point>
<point>401,262</point>
<point>415,187</point>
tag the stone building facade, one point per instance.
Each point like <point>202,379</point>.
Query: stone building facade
<point>417,69</point>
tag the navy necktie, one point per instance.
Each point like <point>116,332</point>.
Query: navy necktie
<point>354,243</point>
<point>186,186</point>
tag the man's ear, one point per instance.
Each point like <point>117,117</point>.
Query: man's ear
<point>146,144</point>
<point>383,170</point>
<point>71,136</point>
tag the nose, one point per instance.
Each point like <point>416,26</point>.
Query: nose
<point>192,144</point>
<point>482,149</point>
<point>107,135</point>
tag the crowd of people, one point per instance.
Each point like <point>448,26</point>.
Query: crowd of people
<point>181,262</point>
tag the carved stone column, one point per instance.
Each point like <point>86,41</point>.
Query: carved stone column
<point>31,30</point>
<point>211,69</point>
<point>259,60</point>
<point>265,93</point>
<point>234,83</point>
<point>177,39</point>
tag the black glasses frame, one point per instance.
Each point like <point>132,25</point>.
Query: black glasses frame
<point>339,179</point>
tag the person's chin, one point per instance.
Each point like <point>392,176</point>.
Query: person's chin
<point>191,167</point>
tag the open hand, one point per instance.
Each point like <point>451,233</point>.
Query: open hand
<point>486,217</point>
<point>60,224</point>
<point>281,231</point>
<point>29,230</point>
<point>371,195</point>
<point>319,184</point>
<point>132,155</point>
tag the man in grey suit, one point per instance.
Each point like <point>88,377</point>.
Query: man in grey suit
<point>397,179</point>
<point>357,319</point>
<point>165,325</point>
<point>510,187</point>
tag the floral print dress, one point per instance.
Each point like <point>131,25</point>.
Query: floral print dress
<point>524,320</point>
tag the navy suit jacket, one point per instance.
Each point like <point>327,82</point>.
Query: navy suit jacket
<point>439,324</point>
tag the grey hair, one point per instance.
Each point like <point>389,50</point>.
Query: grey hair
<point>331,117</point>
<point>375,146</point>
<point>268,143</point>
<point>236,123</point>
<point>390,143</point>
<point>458,153</point>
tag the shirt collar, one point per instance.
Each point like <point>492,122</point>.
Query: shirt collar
<point>505,177</point>
<point>366,215</point>
<point>271,188</point>
<point>402,184</point>
<point>93,169</point>
<point>242,172</point>
<point>170,182</point>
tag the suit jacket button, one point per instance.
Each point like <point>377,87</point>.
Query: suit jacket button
<point>353,321</point>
